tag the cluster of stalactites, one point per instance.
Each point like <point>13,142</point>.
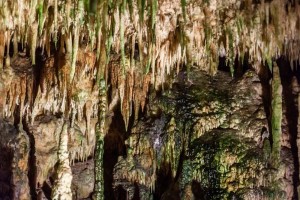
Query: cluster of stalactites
<point>152,37</point>
<point>139,150</point>
<point>52,97</point>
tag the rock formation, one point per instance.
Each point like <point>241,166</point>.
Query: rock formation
<point>149,99</point>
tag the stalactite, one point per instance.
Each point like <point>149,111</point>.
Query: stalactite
<point>34,34</point>
<point>62,185</point>
<point>41,17</point>
<point>154,5</point>
<point>125,106</point>
<point>2,47</point>
<point>15,42</point>
<point>22,96</point>
<point>141,9</point>
<point>130,8</point>
<point>110,37</point>
<point>8,39</point>
<point>74,53</point>
<point>122,40</point>
<point>230,49</point>
<point>183,7</point>
<point>55,22</point>
<point>140,45</point>
<point>276,115</point>
<point>79,21</point>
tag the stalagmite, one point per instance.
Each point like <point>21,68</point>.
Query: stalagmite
<point>276,115</point>
<point>62,185</point>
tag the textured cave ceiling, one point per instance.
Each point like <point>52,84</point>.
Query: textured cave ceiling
<point>149,39</point>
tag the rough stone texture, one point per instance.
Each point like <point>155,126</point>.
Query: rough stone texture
<point>83,179</point>
<point>43,123</point>
<point>138,167</point>
<point>46,131</point>
<point>50,63</point>
<point>63,178</point>
<point>14,154</point>
<point>219,127</point>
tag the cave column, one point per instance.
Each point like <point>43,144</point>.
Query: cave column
<point>62,185</point>
<point>276,115</point>
<point>100,133</point>
<point>101,82</point>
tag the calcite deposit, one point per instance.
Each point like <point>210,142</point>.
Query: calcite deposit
<point>149,99</point>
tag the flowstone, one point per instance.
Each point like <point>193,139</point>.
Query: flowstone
<point>210,139</point>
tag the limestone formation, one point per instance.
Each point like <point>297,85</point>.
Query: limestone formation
<point>62,184</point>
<point>159,99</point>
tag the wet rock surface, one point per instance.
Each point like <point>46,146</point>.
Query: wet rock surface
<point>206,137</point>
<point>72,63</point>
<point>209,139</point>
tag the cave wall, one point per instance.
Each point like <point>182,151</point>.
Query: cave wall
<point>136,91</point>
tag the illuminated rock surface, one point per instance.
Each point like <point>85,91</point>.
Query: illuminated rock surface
<point>156,99</point>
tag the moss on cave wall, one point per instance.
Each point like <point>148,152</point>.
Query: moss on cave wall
<point>276,114</point>
<point>84,53</point>
<point>228,167</point>
<point>199,155</point>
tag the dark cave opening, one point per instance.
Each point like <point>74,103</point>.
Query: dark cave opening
<point>114,147</point>
<point>291,105</point>
<point>6,157</point>
<point>164,181</point>
<point>136,195</point>
<point>241,65</point>
<point>121,193</point>
<point>32,169</point>
<point>265,77</point>
<point>289,97</point>
<point>32,166</point>
<point>47,190</point>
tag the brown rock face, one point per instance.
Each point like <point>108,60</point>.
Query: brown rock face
<point>14,155</point>
<point>227,155</point>
<point>83,179</point>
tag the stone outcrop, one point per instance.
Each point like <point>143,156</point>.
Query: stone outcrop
<point>214,134</point>
<point>15,148</point>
